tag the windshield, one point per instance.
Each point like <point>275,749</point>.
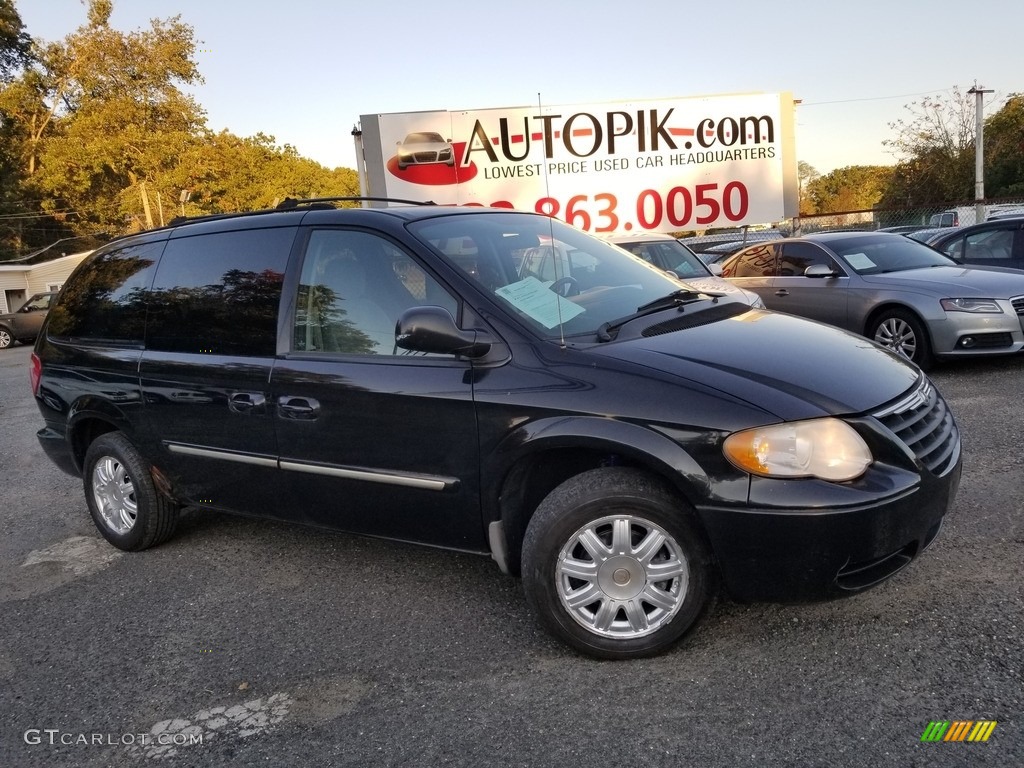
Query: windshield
<point>546,272</point>
<point>874,254</point>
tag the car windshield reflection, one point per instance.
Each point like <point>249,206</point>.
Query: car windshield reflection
<point>556,278</point>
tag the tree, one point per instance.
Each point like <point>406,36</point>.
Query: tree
<point>805,174</point>
<point>15,55</point>
<point>935,149</point>
<point>1004,150</point>
<point>15,44</point>
<point>105,118</point>
<point>854,188</point>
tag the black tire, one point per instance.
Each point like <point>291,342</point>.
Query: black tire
<point>635,626</point>
<point>903,333</point>
<point>6,339</point>
<point>123,502</point>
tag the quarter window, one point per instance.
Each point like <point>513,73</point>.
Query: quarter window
<point>758,261</point>
<point>107,299</point>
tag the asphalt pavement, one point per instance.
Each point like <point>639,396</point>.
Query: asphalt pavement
<point>246,642</point>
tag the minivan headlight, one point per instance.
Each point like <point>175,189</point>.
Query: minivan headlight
<point>971,305</point>
<point>828,449</point>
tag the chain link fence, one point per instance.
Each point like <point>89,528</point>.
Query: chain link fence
<point>908,219</point>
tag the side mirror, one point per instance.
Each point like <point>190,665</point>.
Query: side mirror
<point>433,329</point>
<point>819,270</point>
<point>714,269</point>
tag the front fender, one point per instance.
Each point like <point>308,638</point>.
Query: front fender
<point>637,443</point>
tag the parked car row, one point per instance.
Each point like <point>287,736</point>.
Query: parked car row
<point>890,288</point>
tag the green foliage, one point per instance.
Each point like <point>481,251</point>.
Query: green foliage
<point>1004,150</point>
<point>938,152</point>
<point>15,44</point>
<point>805,174</point>
<point>854,188</point>
<point>99,129</point>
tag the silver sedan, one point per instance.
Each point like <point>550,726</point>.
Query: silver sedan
<point>889,288</point>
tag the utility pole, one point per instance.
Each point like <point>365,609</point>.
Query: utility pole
<point>979,152</point>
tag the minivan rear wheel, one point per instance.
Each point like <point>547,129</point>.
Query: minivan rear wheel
<point>124,504</point>
<point>615,565</point>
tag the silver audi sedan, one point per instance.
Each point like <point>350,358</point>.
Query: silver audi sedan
<point>889,288</point>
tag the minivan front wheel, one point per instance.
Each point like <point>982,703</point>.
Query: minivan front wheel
<point>615,565</point>
<point>123,502</point>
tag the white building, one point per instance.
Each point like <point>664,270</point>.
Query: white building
<point>19,282</point>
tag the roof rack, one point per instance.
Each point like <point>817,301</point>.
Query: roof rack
<point>290,202</point>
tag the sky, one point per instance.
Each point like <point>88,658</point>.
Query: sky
<point>304,71</point>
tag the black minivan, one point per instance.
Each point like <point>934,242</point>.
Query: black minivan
<point>626,443</point>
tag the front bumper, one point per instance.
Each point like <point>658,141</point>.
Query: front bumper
<point>794,555</point>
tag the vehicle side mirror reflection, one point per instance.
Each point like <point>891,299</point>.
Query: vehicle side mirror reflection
<point>433,329</point>
<point>819,270</point>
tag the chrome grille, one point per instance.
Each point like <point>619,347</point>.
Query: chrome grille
<point>925,425</point>
<point>1018,304</point>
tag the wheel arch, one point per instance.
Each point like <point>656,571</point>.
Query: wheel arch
<point>88,419</point>
<point>537,457</point>
<point>888,306</point>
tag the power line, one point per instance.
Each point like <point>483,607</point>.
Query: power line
<point>24,216</point>
<point>869,98</point>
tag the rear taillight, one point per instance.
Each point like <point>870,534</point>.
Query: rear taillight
<point>35,372</point>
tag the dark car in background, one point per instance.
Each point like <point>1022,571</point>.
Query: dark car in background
<point>891,289</point>
<point>24,324</point>
<point>928,234</point>
<point>997,243</point>
<point>493,382</point>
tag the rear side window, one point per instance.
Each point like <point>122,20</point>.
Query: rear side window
<point>219,293</point>
<point>758,261</point>
<point>106,300</point>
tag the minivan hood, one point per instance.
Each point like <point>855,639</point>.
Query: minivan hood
<point>784,365</point>
<point>987,282</point>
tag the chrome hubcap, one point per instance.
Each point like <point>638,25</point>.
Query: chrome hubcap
<point>897,336</point>
<point>621,576</point>
<point>114,494</point>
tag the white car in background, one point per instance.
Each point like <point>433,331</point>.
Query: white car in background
<point>667,253</point>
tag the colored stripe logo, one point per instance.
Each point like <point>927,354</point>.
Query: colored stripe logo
<point>958,730</point>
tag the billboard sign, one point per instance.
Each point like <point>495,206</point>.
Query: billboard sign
<point>657,166</point>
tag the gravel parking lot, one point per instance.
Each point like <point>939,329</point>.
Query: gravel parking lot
<point>244,642</point>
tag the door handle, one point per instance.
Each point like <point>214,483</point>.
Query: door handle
<point>302,408</point>
<point>782,292</point>
<point>247,402</point>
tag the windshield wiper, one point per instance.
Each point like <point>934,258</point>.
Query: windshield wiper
<point>606,332</point>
